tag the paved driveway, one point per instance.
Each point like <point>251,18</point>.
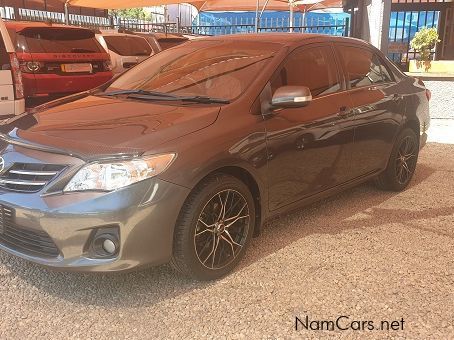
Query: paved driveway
<point>366,254</point>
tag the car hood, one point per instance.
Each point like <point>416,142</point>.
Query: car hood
<point>94,126</point>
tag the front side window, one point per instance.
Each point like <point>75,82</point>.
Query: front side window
<point>220,69</point>
<point>314,68</point>
<point>363,67</point>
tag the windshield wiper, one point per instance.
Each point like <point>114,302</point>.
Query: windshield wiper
<point>154,95</point>
<point>203,99</point>
<point>139,92</point>
<point>167,97</point>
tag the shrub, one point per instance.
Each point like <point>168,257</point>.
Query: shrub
<point>424,41</point>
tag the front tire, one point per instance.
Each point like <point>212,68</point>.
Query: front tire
<point>402,162</point>
<point>214,228</point>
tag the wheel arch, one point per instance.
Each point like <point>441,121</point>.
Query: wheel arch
<point>412,123</point>
<point>252,183</point>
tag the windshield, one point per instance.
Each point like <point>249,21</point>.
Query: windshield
<point>57,40</point>
<point>128,45</point>
<point>219,69</point>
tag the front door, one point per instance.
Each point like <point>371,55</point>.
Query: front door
<point>309,148</point>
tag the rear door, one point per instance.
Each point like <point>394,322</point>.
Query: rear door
<point>378,107</point>
<point>309,148</point>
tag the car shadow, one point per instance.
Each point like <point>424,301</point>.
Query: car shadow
<point>150,286</point>
<point>365,199</point>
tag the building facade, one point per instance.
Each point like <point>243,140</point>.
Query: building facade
<point>390,25</point>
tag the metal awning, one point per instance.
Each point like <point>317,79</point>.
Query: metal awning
<point>211,5</point>
<point>258,6</point>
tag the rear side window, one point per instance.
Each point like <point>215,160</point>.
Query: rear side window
<point>128,45</point>
<point>363,67</point>
<point>314,68</point>
<point>57,40</point>
<point>4,56</point>
<point>167,43</point>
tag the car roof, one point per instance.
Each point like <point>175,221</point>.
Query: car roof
<point>113,33</point>
<point>169,36</point>
<point>143,34</point>
<point>288,39</point>
<point>20,25</point>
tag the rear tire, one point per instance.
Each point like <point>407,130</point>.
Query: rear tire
<point>402,162</point>
<point>214,228</point>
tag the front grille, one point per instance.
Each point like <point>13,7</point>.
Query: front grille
<point>36,243</point>
<point>29,177</point>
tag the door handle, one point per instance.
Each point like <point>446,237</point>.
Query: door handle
<point>344,112</point>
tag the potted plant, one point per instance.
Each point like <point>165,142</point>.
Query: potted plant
<point>423,43</point>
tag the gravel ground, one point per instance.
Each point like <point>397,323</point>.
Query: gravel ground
<point>442,103</point>
<point>367,254</point>
<point>441,111</point>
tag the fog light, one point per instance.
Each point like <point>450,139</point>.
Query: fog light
<point>104,243</point>
<point>109,247</point>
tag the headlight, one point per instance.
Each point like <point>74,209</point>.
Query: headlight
<point>115,175</point>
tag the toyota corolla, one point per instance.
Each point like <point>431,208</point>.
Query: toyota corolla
<point>184,157</point>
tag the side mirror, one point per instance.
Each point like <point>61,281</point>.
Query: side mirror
<point>291,97</point>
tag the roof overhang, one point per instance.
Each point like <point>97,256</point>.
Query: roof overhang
<point>211,5</point>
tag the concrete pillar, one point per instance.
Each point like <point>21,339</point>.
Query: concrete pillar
<point>374,22</point>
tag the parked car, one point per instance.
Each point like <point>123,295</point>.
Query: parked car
<point>58,60</point>
<point>126,50</point>
<point>11,86</point>
<point>169,40</point>
<point>185,156</point>
<point>149,37</point>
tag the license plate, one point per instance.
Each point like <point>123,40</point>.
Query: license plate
<point>75,68</point>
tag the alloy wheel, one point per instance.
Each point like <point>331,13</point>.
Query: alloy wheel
<point>222,229</point>
<point>406,160</point>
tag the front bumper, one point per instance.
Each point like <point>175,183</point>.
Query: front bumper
<point>145,214</point>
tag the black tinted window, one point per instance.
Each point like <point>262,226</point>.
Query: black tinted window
<point>314,68</point>
<point>128,45</point>
<point>4,56</point>
<point>57,40</point>
<point>363,67</point>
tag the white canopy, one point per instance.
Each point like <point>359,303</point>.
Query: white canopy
<point>212,5</point>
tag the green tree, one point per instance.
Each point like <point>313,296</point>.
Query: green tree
<point>424,41</point>
<point>130,13</point>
